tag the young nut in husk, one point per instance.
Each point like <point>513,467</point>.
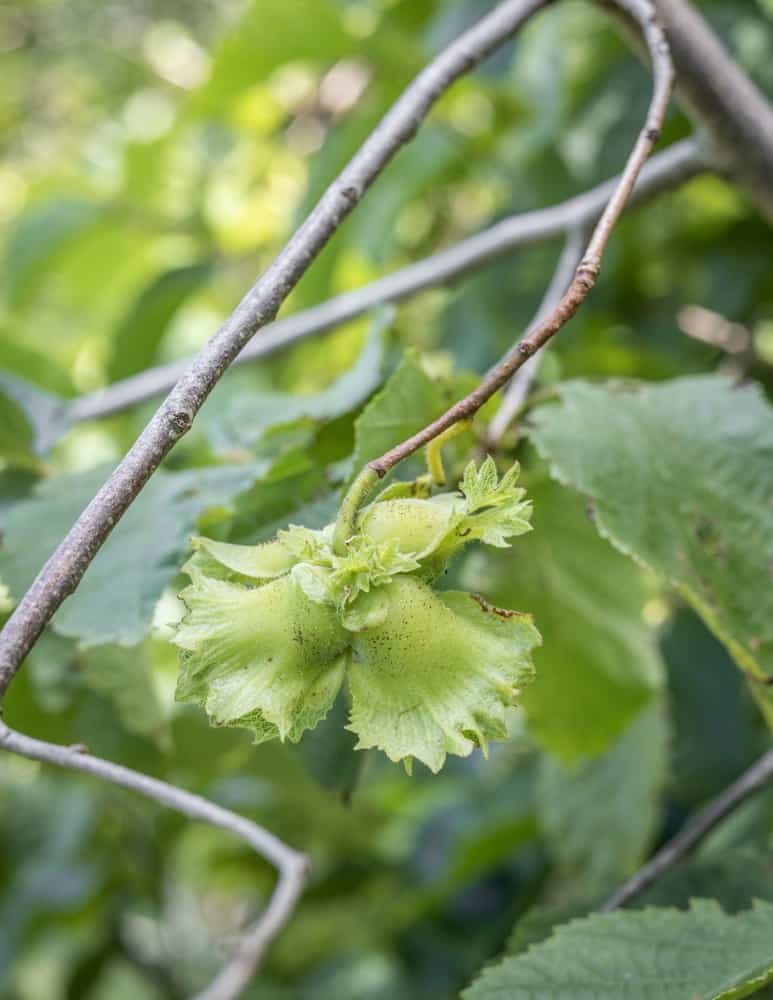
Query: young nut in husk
<point>272,631</point>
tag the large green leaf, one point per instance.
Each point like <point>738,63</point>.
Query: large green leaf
<point>681,478</point>
<point>598,665</point>
<point>651,954</point>
<point>115,601</point>
<point>599,818</point>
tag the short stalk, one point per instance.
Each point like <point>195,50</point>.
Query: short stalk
<point>356,496</point>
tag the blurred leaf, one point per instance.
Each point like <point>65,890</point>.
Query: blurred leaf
<point>34,366</point>
<point>16,434</point>
<point>277,499</point>
<point>135,342</point>
<point>716,732</point>
<point>408,401</point>
<point>50,829</point>
<point>115,601</point>
<point>30,421</point>
<point>39,237</point>
<point>663,954</point>
<point>328,751</point>
<point>598,665</point>
<point>268,34</point>
<point>681,478</point>
<point>246,416</point>
<point>599,819</point>
<point>125,676</point>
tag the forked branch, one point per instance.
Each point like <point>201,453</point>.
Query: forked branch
<point>643,12</point>
<point>61,575</point>
<point>64,570</point>
<point>290,865</point>
<point>663,172</point>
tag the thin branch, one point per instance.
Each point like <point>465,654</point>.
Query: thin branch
<point>720,99</point>
<point>64,570</point>
<point>674,166</point>
<point>520,384</point>
<point>751,781</point>
<point>291,866</point>
<point>585,277</point>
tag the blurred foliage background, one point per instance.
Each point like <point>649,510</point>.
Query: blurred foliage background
<point>155,156</point>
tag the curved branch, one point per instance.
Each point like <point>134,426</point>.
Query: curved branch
<point>291,866</point>
<point>720,98</point>
<point>582,283</point>
<point>64,570</point>
<point>518,390</point>
<point>674,166</point>
<point>751,781</point>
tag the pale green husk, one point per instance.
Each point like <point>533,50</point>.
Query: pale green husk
<point>271,631</point>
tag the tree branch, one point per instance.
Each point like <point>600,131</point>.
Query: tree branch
<point>579,288</point>
<point>518,390</point>
<point>719,97</point>
<point>674,166</point>
<point>291,866</point>
<point>751,781</point>
<point>64,570</point>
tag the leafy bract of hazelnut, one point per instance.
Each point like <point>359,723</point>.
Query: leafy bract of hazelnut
<point>273,631</point>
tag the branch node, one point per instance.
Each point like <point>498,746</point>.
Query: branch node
<point>181,421</point>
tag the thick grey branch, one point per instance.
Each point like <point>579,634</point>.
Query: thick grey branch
<point>63,571</point>
<point>720,98</point>
<point>290,865</point>
<point>663,172</point>
<point>752,781</point>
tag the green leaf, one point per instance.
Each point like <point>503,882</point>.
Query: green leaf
<point>125,676</point>
<point>135,342</point>
<point>265,658</point>
<point>734,878</point>
<point>327,752</point>
<point>247,416</point>
<point>437,675</point>
<point>31,420</point>
<point>716,732</point>
<point>17,438</point>
<point>681,478</point>
<point>649,954</point>
<point>598,665</point>
<point>599,819</point>
<point>409,401</point>
<point>116,599</point>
